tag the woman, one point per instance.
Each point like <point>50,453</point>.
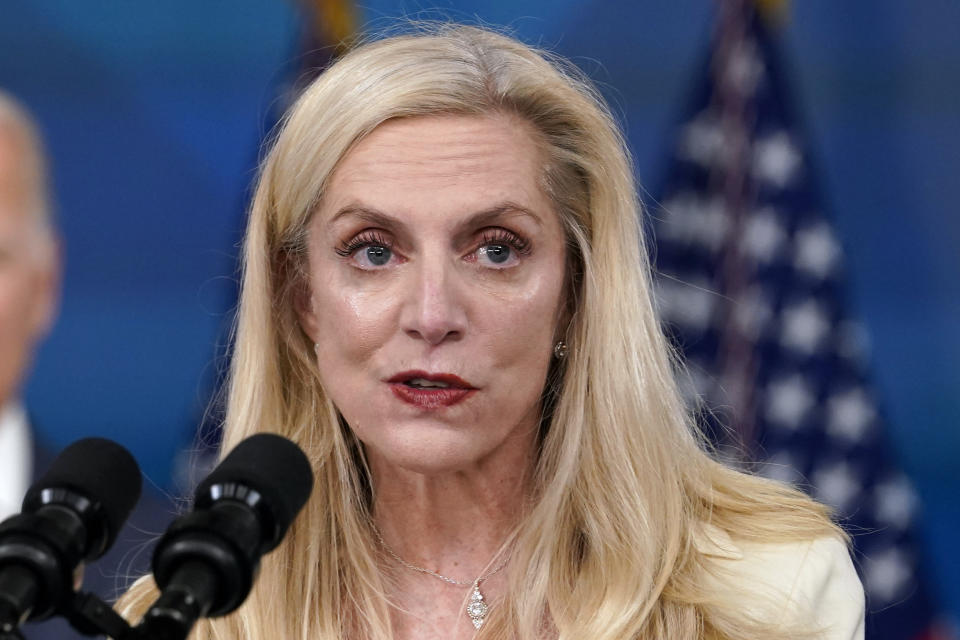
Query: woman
<point>446,303</point>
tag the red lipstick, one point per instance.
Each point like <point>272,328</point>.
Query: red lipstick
<point>416,388</point>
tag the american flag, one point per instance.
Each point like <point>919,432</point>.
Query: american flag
<point>750,281</point>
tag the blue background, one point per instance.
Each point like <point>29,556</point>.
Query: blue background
<point>153,112</point>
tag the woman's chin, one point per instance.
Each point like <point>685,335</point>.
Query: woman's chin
<point>426,458</point>
<point>432,446</point>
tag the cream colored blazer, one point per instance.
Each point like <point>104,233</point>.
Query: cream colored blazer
<point>807,583</point>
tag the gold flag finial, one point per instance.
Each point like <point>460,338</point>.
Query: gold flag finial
<point>334,22</point>
<point>774,12</point>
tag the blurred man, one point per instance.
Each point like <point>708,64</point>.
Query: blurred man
<point>29,287</point>
<point>29,291</point>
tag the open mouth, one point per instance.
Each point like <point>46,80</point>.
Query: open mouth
<point>430,391</point>
<point>423,383</point>
<point>424,380</point>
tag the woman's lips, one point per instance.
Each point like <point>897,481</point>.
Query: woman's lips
<point>457,389</point>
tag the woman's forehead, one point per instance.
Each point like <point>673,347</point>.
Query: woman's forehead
<point>459,162</point>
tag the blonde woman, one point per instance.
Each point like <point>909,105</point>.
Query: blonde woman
<point>446,303</point>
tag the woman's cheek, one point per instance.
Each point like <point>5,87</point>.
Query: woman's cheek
<point>364,319</point>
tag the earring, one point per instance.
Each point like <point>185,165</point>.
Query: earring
<point>560,350</point>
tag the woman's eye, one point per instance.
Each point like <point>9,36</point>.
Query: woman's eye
<point>501,249</point>
<point>368,250</point>
<point>373,256</point>
<point>497,255</point>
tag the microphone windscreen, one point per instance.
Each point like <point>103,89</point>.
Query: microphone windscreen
<point>101,471</point>
<point>274,467</point>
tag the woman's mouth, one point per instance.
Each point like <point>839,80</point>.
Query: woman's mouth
<point>430,390</point>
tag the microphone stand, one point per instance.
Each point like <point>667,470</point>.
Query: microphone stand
<point>17,592</point>
<point>171,617</point>
<point>91,616</point>
<point>8,627</point>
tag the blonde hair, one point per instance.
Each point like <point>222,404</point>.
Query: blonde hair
<point>623,484</point>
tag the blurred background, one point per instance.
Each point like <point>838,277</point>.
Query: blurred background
<point>154,114</point>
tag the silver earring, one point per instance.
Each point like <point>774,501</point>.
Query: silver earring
<point>560,350</point>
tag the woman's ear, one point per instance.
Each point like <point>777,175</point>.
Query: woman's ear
<point>567,308</point>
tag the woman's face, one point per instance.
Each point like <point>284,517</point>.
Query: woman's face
<point>436,279</point>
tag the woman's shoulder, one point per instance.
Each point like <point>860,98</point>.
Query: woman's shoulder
<point>806,578</point>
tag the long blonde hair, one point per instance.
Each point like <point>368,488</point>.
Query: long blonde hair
<point>623,484</point>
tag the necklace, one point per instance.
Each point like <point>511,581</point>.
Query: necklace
<point>477,608</point>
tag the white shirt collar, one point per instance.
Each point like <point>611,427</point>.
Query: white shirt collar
<point>16,458</point>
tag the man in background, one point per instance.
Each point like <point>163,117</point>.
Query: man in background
<point>29,292</point>
<point>29,289</point>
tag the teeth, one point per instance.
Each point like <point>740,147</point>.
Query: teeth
<point>420,382</point>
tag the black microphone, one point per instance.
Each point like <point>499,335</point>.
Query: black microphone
<point>206,562</point>
<point>72,514</point>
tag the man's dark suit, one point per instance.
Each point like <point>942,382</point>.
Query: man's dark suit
<point>128,559</point>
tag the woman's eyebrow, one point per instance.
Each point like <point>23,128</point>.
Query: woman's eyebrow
<point>367,214</point>
<point>499,211</point>
<point>479,219</point>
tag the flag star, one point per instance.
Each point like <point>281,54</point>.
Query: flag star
<point>703,140</point>
<point>776,160</point>
<point>676,211</point>
<point>836,485</point>
<point>886,575</point>
<point>685,303</point>
<point>817,251</point>
<point>744,68</point>
<point>782,466</point>
<point>804,326</point>
<point>788,401</point>
<point>710,228</point>
<point>689,219</point>
<point>849,414</point>
<point>764,235</point>
<point>895,502</point>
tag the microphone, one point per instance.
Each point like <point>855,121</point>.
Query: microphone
<point>72,514</point>
<point>206,562</point>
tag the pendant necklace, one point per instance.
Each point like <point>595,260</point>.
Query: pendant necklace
<point>477,608</point>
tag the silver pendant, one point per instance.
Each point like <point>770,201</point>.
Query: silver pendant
<point>477,608</point>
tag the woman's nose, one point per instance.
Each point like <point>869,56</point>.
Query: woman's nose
<point>434,311</point>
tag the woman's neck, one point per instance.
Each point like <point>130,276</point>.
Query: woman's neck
<point>453,522</point>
